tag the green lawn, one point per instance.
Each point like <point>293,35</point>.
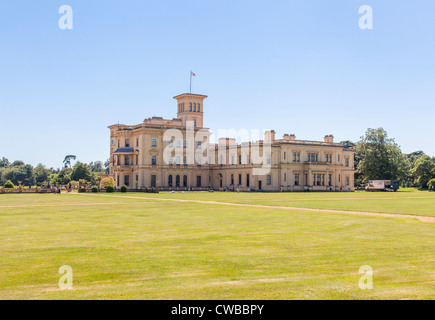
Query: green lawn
<point>410,203</point>
<point>130,246</point>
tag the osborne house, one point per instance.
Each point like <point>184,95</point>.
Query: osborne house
<point>178,154</point>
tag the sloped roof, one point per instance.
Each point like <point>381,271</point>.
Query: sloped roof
<point>124,150</point>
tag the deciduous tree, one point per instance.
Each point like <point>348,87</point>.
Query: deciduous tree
<point>81,171</point>
<point>424,170</point>
<point>380,157</point>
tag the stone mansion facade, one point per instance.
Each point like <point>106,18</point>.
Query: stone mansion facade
<point>177,154</point>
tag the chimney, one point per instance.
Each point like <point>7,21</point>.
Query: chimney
<point>289,137</point>
<point>269,136</point>
<point>329,139</point>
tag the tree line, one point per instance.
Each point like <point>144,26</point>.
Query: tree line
<point>379,157</point>
<point>17,171</point>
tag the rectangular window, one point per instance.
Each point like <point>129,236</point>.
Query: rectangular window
<point>154,142</point>
<point>240,179</point>
<point>284,155</point>
<point>296,179</point>
<point>269,180</point>
<point>240,159</point>
<point>346,162</point>
<point>137,142</point>
<point>185,143</point>
<point>153,160</point>
<point>127,180</point>
<point>247,180</point>
<point>127,160</point>
<point>285,177</point>
<point>185,160</point>
<point>232,179</point>
<point>268,159</point>
<point>198,161</point>
<point>153,181</point>
<point>347,180</point>
<point>297,156</point>
<point>127,143</point>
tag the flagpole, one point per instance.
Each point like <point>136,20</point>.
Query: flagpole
<point>190,81</point>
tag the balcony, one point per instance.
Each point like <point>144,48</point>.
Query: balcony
<point>318,162</point>
<point>124,167</point>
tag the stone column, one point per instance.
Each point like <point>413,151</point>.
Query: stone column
<point>310,177</point>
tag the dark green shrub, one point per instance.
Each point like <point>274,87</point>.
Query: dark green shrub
<point>9,185</point>
<point>110,189</point>
<point>94,189</point>
<point>124,188</point>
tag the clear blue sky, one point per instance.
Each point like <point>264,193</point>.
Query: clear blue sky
<point>300,67</point>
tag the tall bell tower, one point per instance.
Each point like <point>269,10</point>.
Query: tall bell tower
<point>191,108</point>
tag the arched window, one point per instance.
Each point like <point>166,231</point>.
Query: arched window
<point>185,181</point>
<point>199,108</point>
<point>194,107</point>
<point>190,107</point>
<point>177,181</point>
<point>170,181</point>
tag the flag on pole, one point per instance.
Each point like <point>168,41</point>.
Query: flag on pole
<point>191,75</point>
